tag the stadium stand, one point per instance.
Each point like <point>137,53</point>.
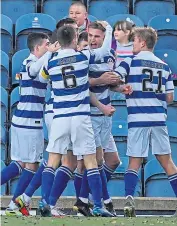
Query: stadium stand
<point>118,181</point>
<point>6,34</point>
<point>3,144</point>
<point>156,181</point>
<point>4,106</point>
<point>136,20</point>
<point>56,8</point>
<point>3,187</point>
<point>33,22</point>
<point>15,9</point>
<point>17,61</point>
<point>146,9</point>
<point>107,8</point>
<point>166,27</point>
<point>14,99</point>
<point>4,69</point>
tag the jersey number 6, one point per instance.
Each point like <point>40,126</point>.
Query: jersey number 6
<point>150,79</point>
<point>69,79</point>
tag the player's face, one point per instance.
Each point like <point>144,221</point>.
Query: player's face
<point>43,48</point>
<point>78,13</point>
<point>138,45</point>
<point>95,38</point>
<point>82,45</point>
<point>120,35</point>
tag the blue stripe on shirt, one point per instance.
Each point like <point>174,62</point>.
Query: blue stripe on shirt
<point>98,89</point>
<point>125,66</point>
<point>65,92</point>
<point>31,99</point>
<point>27,127</point>
<point>72,114</point>
<point>140,94</point>
<point>103,60</point>
<point>146,109</point>
<point>70,104</point>
<point>104,101</point>
<point>28,114</point>
<point>146,124</point>
<point>149,64</point>
<point>67,60</point>
<point>139,79</point>
<point>78,74</point>
<point>34,84</point>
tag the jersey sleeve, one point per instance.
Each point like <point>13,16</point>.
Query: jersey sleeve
<point>33,68</point>
<point>44,74</point>
<point>169,86</point>
<point>123,69</point>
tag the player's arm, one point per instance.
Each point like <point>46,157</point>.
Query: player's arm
<point>107,78</point>
<point>125,89</point>
<point>107,110</point>
<point>169,89</point>
<point>33,68</point>
<point>44,74</point>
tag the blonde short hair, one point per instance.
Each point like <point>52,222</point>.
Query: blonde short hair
<point>147,34</point>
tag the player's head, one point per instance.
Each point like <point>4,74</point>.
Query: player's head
<point>82,41</point>
<point>78,12</point>
<point>144,39</point>
<point>38,43</point>
<point>123,31</point>
<point>96,34</point>
<point>67,37</point>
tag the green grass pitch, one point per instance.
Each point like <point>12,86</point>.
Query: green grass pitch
<point>75,221</point>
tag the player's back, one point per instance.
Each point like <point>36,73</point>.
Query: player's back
<point>29,112</point>
<point>68,70</point>
<point>151,80</point>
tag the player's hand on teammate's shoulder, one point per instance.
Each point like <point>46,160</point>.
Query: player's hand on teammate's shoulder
<point>109,78</point>
<point>126,89</point>
<point>108,110</point>
<point>54,47</point>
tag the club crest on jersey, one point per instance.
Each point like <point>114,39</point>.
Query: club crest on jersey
<point>110,62</point>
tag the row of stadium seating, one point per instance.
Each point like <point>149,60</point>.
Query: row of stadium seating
<point>35,22</point>
<point>9,69</point>
<point>59,8</point>
<point>153,182</point>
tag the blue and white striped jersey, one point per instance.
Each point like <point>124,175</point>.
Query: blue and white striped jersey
<point>68,72</point>
<point>96,69</point>
<point>29,112</point>
<point>151,81</point>
<point>49,103</point>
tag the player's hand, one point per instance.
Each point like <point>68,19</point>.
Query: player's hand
<point>126,89</point>
<point>54,47</point>
<point>108,110</point>
<point>109,78</point>
<point>103,23</point>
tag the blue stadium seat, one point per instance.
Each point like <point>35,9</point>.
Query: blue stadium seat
<point>116,186</point>
<point>3,187</point>
<point>15,9</point>
<point>56,8</point>
<point>121,110</point>
<point>156,181</point>
<point>4,69</point>
<point>33,22</point>
<point>14,99</point>
<point>92,18</point>
<point>17,61</point>
<point>136,20</point>
<point>4,106</point>
<point>169,56</point>
<point>103,9</point>
<point>166,27</point>
<point>120,132</point>
<point>6,34</point>
<point>175,94</point>
<point>146,9</point>
<point>3,146</point>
